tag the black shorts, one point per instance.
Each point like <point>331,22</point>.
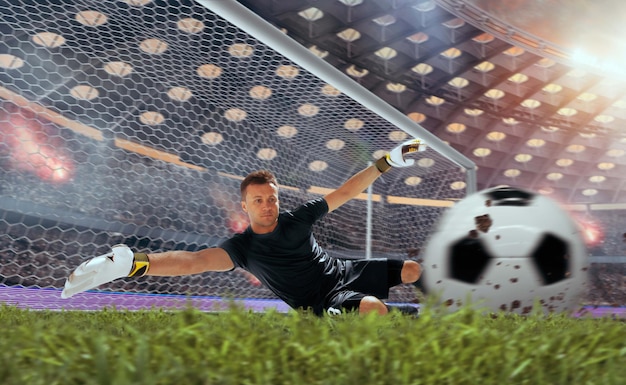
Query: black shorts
<point>363,277</point>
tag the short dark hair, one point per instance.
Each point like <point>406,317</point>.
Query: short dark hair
<point>256,177</point>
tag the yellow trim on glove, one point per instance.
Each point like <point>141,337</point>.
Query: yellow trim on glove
<point>382,164</point>
<point>141,264</point>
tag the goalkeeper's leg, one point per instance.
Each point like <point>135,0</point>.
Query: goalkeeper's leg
<point>365,287</point>
<point>398,272</point>
<point>402,272</point>
<point>369,304</point>
<point>352,301</point>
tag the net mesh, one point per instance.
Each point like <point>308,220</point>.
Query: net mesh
<point>134,121</point>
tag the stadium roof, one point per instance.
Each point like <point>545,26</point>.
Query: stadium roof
<point>513,86</point>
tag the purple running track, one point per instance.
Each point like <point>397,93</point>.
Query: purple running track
<point>50,299</point>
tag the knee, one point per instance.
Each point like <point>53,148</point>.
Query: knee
<point>371,304</point>
<point>411,271</point>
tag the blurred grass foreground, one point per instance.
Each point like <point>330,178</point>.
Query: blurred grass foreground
<point>242,347</point>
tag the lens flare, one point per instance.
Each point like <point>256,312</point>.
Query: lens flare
<point>237,222</point>
<point>592,232</point>
<point>33,149</point>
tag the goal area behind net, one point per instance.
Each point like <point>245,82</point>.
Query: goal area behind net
<point>134,122</point>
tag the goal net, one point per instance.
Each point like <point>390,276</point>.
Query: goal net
<point>134,122</point>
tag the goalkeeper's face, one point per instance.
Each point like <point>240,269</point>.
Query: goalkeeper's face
<point>261,205</point>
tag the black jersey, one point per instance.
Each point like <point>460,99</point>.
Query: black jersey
<point>289,260</point>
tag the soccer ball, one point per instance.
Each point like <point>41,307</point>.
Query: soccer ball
<point>506,249</point>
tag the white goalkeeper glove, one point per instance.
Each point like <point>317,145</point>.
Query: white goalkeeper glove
<point>120,262</point>
<point>395,157</point>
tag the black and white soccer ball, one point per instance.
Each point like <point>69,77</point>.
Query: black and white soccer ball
<point>506,249</point>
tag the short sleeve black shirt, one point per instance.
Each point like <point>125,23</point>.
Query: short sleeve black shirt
<point>289,260</point>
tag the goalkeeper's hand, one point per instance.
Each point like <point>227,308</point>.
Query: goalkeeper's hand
<point>120,262</point>
<point>395,157</point>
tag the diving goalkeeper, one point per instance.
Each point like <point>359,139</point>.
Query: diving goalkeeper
<point>280,250</point>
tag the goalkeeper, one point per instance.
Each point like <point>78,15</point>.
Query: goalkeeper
<point>280,250</point>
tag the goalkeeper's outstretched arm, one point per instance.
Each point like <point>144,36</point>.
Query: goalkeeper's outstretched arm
<point>122,262</point>
<point>361,180</point>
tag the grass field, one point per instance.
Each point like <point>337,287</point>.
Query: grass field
<point>242,347</point>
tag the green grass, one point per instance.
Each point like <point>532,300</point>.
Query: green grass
<point>240,347</point>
